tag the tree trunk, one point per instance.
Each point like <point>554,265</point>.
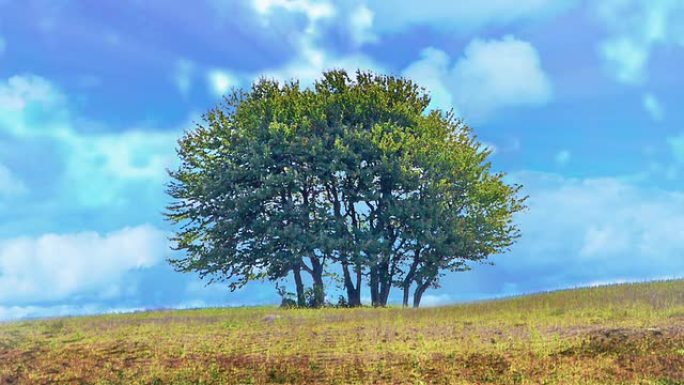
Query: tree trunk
<point>406,289</point>
<point>385,292</point>
<point>353,293</point>
<point>301,301</point>
<point>406,285</point>
<point>318,286</point>
<point>385,284</point>
<point>319,291</point>
<point>418,294</point>
<point>385,295</point>
<point>359,273</point>
<point>374,287</point>
<point>379,274</point>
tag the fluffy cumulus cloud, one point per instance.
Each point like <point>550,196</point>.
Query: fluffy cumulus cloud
<point>55,267</point>
<point>431,71</point>
<point>491,74</point>
<point>635,28</point>
<point>499,73</point>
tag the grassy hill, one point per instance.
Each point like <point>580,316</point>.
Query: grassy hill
<point>619,334</point>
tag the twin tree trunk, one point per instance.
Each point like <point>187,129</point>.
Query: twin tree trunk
<point>353,292</point>
<point>316,273</point>
<point>418,294</point>
<point>380,285</point>
<point>301,299</point>
<point>410,275</point>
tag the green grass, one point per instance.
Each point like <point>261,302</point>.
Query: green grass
<point>620,334</point>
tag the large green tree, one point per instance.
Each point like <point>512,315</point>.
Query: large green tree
<point>353,175</point>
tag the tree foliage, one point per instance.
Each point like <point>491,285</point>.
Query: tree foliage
<point>354,175</point>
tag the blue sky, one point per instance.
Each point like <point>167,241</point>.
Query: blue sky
<point>581,102</point>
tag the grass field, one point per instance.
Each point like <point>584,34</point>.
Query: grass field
<point>621,334</point>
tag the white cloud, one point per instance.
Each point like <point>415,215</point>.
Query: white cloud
<point>10,185</point>
<point>604,241</point>
<point>636,28</point>
<point>311,59</point>
<point>134,154</point>
<point>55,267</point>
<point>626,58</point>
<point>100,165</point>
<point>432,300</point>
<point>9,313</point>
<point>608,282</point>
<point>653,106</point>
<point>19,91</point>
<point>562,157</point>
<point>578,231</point>
<point>312,9</point>
<point>676,144</point>
<point>491,147</point>
<point>221,81</point>
<point>31,106</point>
<point>183,75</point>
<point>361,25</point>
<point>103,167</point>
<point>499,73</point>
<point>491,74</point>
<point>312,62</point>
<point>431,71</point>
<point>362,21</point>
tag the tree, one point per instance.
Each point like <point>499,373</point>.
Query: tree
<point>243,192</point>
<point>352,175</point>
<point>461,211</point>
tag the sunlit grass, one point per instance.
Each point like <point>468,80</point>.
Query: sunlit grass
<point>626,334</point>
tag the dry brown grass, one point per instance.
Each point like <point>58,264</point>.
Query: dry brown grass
<point>622,334</point>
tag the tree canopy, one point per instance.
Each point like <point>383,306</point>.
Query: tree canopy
<point>353,176</point>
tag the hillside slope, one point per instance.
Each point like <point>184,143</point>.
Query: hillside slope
<point>627,334</point>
